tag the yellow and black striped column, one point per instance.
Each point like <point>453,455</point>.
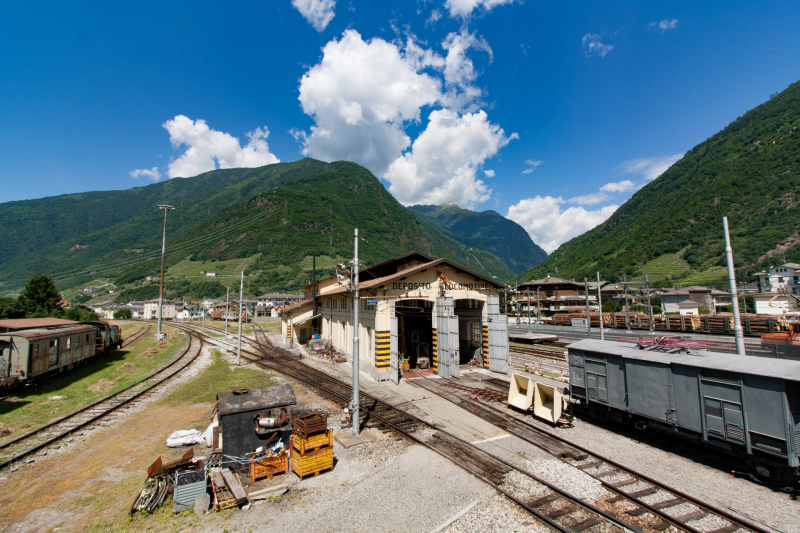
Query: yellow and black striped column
<point>382,345</point>
<point>435,354</point>
<point>485,347</point>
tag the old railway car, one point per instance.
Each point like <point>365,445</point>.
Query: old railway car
<point>748,406</point>
<point>31,354</point>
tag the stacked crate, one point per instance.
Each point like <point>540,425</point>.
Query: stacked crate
<point>312,446</point>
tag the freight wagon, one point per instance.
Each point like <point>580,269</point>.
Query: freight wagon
<point>746,406</point>
<point>31,354</point>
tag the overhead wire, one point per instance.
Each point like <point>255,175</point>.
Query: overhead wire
<point>178,247</point>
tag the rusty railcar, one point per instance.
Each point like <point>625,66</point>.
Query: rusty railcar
<point>34,353</point>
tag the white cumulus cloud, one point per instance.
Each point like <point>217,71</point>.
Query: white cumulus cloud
<point>531,166</point>
<point>464,8</point>
<point>360,95</point>
<point>593,46</point>
<point>664,25</point>
<point>318,13</point>
<point>622,186</point>
<point>489,173</point>
<point>207,148</point>
<point>442,164</point>
<point>652,167</point>
<point>152,173</point>
<point>459,71</point>
<point>549,225</point>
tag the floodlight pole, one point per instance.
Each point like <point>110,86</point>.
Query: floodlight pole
<point>227,307</point>
<point>600,307</point>
<point>737,323</point>
<point>356,304</point>
<point>166,208</point>
<point>239,343</point>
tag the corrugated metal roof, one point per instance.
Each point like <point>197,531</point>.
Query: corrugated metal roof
<point>28,323</point>
<point>255,399</point>
<point>741,364</point>
<point>54,332</point>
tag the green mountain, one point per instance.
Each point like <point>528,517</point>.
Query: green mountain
<point>268,220</point>
<point>749,172</point>
<point>488,230</point>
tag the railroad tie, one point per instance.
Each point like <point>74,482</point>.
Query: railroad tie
<point>586,524</point>
<point>639,493</point>
<point>660,525</point>
<point>668,503</point>
<point>696,515</point>
<point>623,483</point>
<point>636,512</point>
<point>588,465</point>
<point>567,509</point>
<point>607,473</point>
<point>538,502</point>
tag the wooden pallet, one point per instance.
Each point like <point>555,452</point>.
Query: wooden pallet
<point>316,473</point>
<point>312,463</point>
<point>312,443</point>
<point>269,468</point>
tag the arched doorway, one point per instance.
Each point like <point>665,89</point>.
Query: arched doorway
<point>414,331</point>
<point>470,328</point>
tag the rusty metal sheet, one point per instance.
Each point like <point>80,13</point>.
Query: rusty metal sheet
<point>256,399</point>
<point>29,323</point>
<point>41,333</point>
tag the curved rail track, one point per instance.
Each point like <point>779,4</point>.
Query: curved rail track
<point>565,513</point>
<point>33,441</point>
<point>670,506</point>
<point>136,336</point>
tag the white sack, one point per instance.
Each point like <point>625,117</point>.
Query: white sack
<point>184,437</point>
<point>208,435</point>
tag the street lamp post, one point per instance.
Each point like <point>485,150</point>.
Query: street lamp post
<point>166,208</point>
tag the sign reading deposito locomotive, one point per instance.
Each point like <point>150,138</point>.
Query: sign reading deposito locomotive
<point>447,286</point>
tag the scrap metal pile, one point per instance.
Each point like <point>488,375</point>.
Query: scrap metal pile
<point>325,348</point>
<point>673,344</point>
<point>252,437</point>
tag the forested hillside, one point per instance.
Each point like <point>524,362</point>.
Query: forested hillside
<point>487,230</point>
<point>281,213</point>
<point>749,172</point>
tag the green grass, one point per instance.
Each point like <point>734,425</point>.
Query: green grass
<point>217,377</point>
<point>665,266</point>
<point>32,408</point>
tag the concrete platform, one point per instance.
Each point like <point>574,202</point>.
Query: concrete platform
<point>347,440</point>
<point>531,336</point>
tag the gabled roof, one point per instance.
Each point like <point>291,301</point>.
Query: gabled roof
<point>301,303</point>
<point>696,288</point>
<point>552,280</point>
<point>791,265</point>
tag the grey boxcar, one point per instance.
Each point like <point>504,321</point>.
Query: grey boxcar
<point>749,406</point>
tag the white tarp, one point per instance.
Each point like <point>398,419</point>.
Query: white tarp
<point>185,437</point>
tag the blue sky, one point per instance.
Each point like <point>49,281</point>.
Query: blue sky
<point>551,113</point>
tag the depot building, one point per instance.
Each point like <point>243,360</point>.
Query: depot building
<point>414,311</point>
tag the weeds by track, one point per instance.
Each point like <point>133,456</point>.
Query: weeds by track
<point>33,441</point>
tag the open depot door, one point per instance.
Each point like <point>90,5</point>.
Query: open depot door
<point>498,336</point>
<point>394,356</point>
<point>447,337</point>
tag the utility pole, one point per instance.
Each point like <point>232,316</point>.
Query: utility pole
<point>227,306</point>
<point>314,289</point>
<point>600,306</point>
<point>529,309</point>
<point>650,307</point>
<point>354,404</point>
<point>239,343</point>
<point>588,317</point>
<point>627,317</point>
<point>737,323</point>
<point>166,208</point>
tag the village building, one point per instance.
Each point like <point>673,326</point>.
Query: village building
<point>785,277</point>
<point>278,299</point>
<point>774,303</point>
<point>552,295</point>
<point>151,309</point>
<point>412,309</point>
<point>712,299</point>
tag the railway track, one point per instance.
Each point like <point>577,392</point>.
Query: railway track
<point>562,511</point>
<point>539,352</point>
<point>665,505</point>
<point>136,336</point>
<point>33,441</point>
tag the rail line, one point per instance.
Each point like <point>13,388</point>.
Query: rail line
<point>575,516</point>
<point>54,431</point>
<point>136,336</point>
<point>668,505</point>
